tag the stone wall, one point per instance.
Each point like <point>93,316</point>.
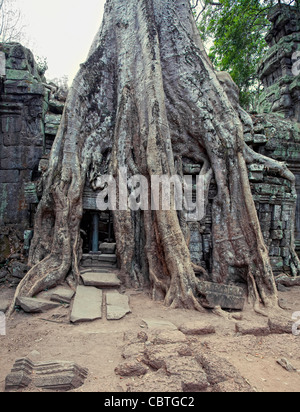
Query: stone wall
<point>280,68</point>
<point>29,119</point>
<point>280,74</point>
<point>23,105</point>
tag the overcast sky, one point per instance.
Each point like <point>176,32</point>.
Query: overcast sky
<point>62,31</point>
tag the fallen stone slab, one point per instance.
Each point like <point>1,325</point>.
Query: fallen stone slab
<point>32,305</point>
<point>62,295</point>
<point>57,375</point>
<point>159,324</point>
<point>225,296</point>
<point>101,280</point>
<point>197,328</point>
<point>87,304</point>
<point>117,305</point>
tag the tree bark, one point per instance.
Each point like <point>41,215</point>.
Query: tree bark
<point>146,96</point>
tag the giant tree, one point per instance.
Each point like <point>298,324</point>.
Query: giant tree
<point>147,99</point>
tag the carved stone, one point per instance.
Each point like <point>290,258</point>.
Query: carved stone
<point>59,376</point>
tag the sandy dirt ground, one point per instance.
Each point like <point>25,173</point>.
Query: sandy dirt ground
<point>98,345</point>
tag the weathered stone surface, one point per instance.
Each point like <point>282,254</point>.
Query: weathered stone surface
<point>197,328</point>
<point>279,70</point>
<point>98,261</point>
<point>168,337</point>
<point>87,305</point>
<point>23,108</point>
<point>2,64</point>
<point>21,130</point>
<point>62,295</point>
<point>228,297</point>
<point>217,369</point>
<point>108,248</point>
<point>179,366</point>
<point>59,376</point>
<point>157,382</point>
<point>18,269</point>
<point>101,280</point>
<point>117,305</point>
<point>190,373</point>
<point>159,324</point>
<point>20,376</point>
<point>32,305</point>
<point>131,368</point>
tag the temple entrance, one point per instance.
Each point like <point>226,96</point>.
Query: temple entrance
<point>96,228</point>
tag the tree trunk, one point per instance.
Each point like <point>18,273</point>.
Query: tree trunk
<point>146,96</point>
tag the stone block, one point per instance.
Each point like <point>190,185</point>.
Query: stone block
<point>131,367</point>
<point>248,137</point>
<point>277,211</point>
<point>190,373</point>
<point>256,177</point>
<point>159,324</point>
<point>87,305</point>
<point>20,157</point>
<point>62,295</point>
<point>101,280</point>
<point>2,64</point>
<point>108,248</point>
<point>56,107</point>
<point>9,176</point>
<point>59,376</point>
<point>197,328</point>
<point>276,234</point>
<point>228,297</point>
<point>259,139</point>
<point>276,263</point>
<point>18,269</point>
<point>117,305</point>
<point>285,252</point>
<point>13,74</point>
<point>274,251</point>
<point>20,376</point>
<point>31,305</point>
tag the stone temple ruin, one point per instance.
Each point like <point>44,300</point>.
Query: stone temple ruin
<point>30,114</point>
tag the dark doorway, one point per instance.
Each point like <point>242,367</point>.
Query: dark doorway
<point>96,228</point>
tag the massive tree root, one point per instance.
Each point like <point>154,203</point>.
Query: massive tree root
<point>146,96</point>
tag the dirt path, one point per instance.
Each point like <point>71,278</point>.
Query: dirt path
<point>98,345</point>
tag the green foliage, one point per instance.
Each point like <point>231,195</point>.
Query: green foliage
<point>235,30</point>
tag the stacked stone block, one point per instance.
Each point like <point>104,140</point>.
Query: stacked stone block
<point>280,69</point>
<point>29,120</point>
